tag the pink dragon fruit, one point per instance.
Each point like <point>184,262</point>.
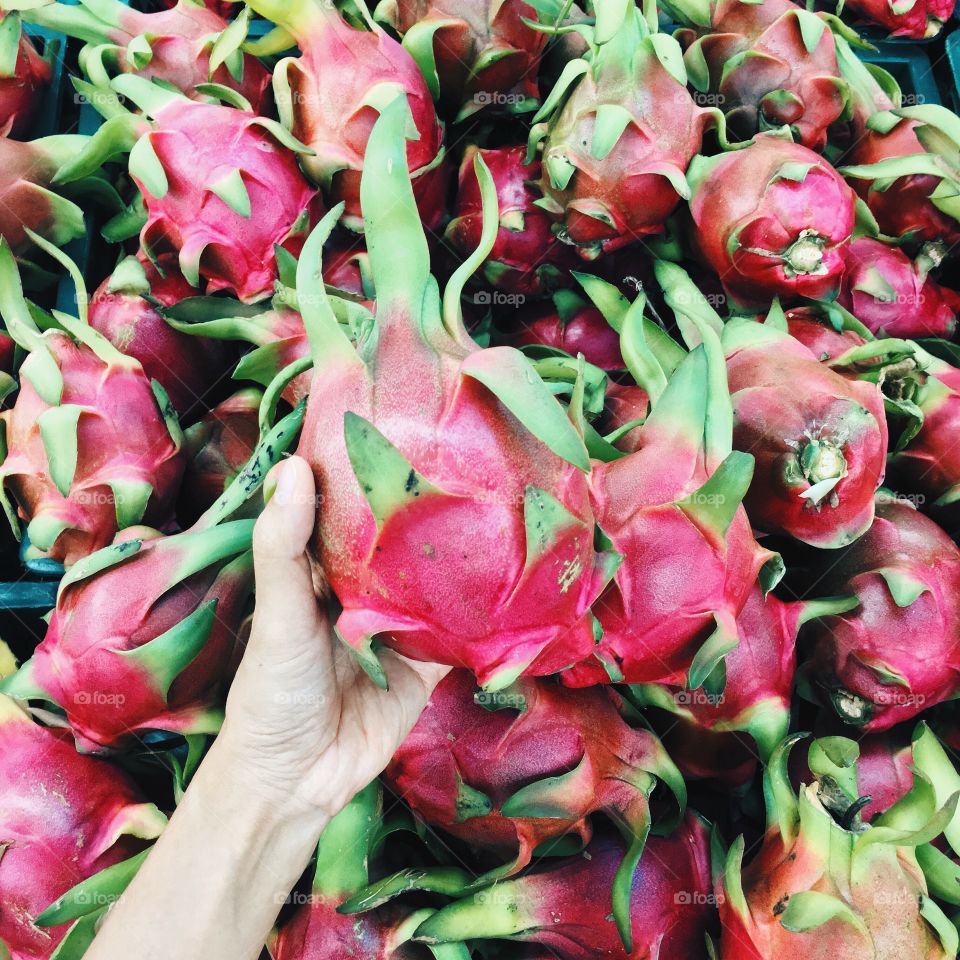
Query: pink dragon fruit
<point>559,909</point>
<point>903,163</point>
<point>329,97</point>
<point>904,571</point>
<point>625,408</point>
<point>506,772</point>
<point>92,445</point>
<point>675,504</point>
<point>823,884</point>
<point>917,19</point>
<point>317,930</point>
<point>144,636</point>
<point>24,76</point>
<point>820,439</point>
<point>621,132</point>
<point>426,476</point>
<point>473,53</point>
<point>570,324</point>
<point>893,295</point>
<point>217,449</point>
<point>178,47</point>
<point>63,818</point>
<point>124,310</point>
<point>253,196</point>
<point>766,64</point>
<point>773,220</point>
<point>527,258</point>
<point>27,197</point>
<point>821,339</point>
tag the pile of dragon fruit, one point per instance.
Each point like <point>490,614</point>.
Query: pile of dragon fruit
<point>621,342</point>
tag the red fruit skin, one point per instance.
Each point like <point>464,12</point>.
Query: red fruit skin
<point>181,52</point>
<point>472,30</point>
<point>187,367</point>
<point>921,21</point>
<point>886,291</point>
<point>20,92</point>
<point>109,698</point>
<point>905,206</point>
<point>61,816</point>
<point>121,435</point>
<point>8,349</point>
<point>585,332</point>
<point>225,8</point>
<point>916,641</point>
<point>530,732</point>
<point>527,258</point>
<point>231,252</point>
<point>218,447</point>
<point>623,404</point>
<point>782,395</point>
<point>747,217</point>
<point>818,337</point>
<point>778,61</point>
<point>654,617</point>
<point>346,265</point>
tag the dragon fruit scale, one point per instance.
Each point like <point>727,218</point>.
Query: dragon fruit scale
<point>673,504</point>
<point>330,95</point>
<point>506,772</point>
<point>124,309</point>
<point>92,445</point>
<point>868,662</point>
<point>768,65</point>
<point>772,220</point>
<point>144,636</point>
<point>426,476</point>
<point>224,225</point>
<point>527,257</point>
<point>178,46</point>
<point>24,76</point>
<point>618,132</point>
<point>825,885</point>
<point>473,53</point>
<point>63,818</point>
<point>559,910</point>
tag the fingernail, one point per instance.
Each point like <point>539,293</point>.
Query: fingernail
<point>286,485</point>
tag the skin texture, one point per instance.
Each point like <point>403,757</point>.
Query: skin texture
<point>305,730</point>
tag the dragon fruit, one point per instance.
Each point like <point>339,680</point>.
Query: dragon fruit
<point>27,197</point>
<point>868,662</point>
<point>558,908</point>
<point>346,265</point>
<point>225,8</point>
<point>217,449</point>
<point>618,131</point>
<point>527,258</point>
<point>893,295</point>
<point>625,408</point>
<point>92,445</point>
<point>317,929</point>
<point>63,818</point>
<point>759,673</point>
<point>820,439</point>
<point>425,476</point>
<point>473,53</point>
<point>144,636</point>
<point>506,772</point>
<point>570,324</point>
<point>773,220</point>
<point>674,505</point>
<point>768,65</point>
<point>904,165</point>
<point>821,339</point>
<point>917,19</point>
<point>24,76</point>
<point>329,97</point>
<point>178,47</point>
<point>824,884</point>
<point>253,197</point>
<point>124,310</point>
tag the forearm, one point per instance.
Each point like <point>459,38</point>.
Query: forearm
<point>216,879</point>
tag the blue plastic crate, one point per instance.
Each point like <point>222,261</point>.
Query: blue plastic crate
<point>47,118</point>
<point>28,595</point>
<point>910,67</point>
<point>952,49</point>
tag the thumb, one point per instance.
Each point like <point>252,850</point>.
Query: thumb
<point>286,611</point>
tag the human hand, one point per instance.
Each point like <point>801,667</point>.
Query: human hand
<point>305,726</point>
